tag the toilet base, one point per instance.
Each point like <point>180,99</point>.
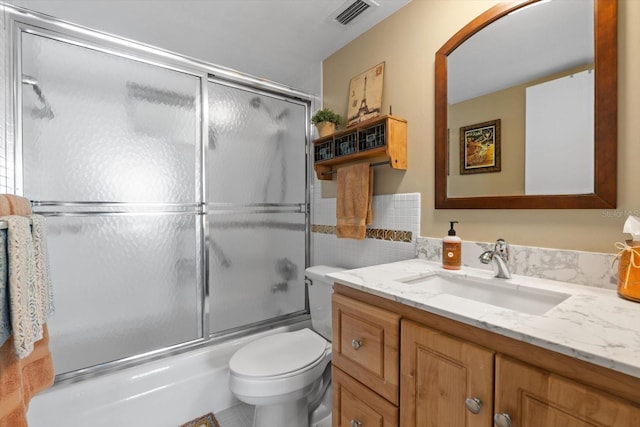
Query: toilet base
<point>287,414</point>
<point>321,415</point>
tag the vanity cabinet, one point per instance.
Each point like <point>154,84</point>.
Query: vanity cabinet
<point>439,373</point>
<point>355,405</point>
<point>365,358</point>
<point>534,397</point>
<point>456,375</point>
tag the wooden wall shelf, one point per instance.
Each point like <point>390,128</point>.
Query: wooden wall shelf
<point>384,136</point>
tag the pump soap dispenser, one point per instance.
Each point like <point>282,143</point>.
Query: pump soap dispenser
<point>452,250</point>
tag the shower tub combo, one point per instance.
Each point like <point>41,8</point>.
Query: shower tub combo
<point>176,194</point>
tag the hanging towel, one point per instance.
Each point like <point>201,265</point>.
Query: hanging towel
<point>353,202</point>
<point>5,324</point>
<point>44,290</point>
<point>22,378</point>
<point>17,205</point>
<point>24,304</point>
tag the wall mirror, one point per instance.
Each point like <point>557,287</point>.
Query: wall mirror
<point>526,108</point>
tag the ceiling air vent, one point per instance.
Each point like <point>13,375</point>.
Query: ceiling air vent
<point>352,11</point>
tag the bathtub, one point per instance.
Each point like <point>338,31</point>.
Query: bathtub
<point>162,393</point>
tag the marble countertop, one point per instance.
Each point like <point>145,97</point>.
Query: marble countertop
<point>592,324</point>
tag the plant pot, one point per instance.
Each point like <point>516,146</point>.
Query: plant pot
<point>325,128</point>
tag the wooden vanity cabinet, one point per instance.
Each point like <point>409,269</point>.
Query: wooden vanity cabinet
<point>534,397</point>
<point>355,405</point>
<point>439,373</point>
<point>446,365</point>
<point>365,358</point>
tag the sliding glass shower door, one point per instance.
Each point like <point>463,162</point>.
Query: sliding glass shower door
<point>176,203</point>
<point>255,207</point>
<point>110,150</point>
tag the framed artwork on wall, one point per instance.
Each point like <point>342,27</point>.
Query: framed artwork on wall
<point>480,148</point>
<point>365,95</point>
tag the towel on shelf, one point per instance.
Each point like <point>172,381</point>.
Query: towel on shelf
<point>353,201</point>
<point>22,378</point>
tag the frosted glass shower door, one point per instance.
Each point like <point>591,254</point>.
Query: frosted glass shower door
<point>110,155</point>
<point>255,180</point>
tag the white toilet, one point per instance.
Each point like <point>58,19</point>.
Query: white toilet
<point>287,376</point>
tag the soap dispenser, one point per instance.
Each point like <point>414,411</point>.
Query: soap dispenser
<point>451,249</point>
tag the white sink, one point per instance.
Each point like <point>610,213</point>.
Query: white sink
<point>494,292</point>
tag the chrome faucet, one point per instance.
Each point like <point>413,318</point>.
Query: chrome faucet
<point>500,257</point>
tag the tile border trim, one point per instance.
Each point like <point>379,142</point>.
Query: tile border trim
<point>372,233</point>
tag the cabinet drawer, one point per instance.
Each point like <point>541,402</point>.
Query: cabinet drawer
<point>366,345</point>
<point>356,405</point>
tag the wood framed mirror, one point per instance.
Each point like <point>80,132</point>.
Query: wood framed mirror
<point>450,147</point>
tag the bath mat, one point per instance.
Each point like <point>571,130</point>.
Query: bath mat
<point>205,421</point>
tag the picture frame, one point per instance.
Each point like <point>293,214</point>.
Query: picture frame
<point>365,95</point>
<point>480,148</point>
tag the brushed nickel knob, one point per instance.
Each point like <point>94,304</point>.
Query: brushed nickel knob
<point>474,405</point>
<point>356,423</point>
<point>356,344</point>
<point>502,420</point>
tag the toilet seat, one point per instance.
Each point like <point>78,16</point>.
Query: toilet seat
<point>279,355</point>
<point>279,368</point>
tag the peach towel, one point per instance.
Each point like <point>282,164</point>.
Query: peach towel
<point>353,201</point>
<point>20,379</point>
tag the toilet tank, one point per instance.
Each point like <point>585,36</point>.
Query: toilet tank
<point>320,289</point>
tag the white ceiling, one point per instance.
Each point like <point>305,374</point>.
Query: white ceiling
<point>280,40</point>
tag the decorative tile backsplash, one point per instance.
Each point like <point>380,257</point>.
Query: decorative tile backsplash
<point>372,233</point>
<point>391,236</point>
<point>582,268</point>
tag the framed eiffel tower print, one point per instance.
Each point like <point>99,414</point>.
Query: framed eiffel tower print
<point>365,95</point>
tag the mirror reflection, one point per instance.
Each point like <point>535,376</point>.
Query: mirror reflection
<point>541,90</point>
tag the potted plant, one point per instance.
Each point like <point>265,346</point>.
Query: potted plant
<point>326,121</point>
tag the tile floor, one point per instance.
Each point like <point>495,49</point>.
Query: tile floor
<point>240,415</point>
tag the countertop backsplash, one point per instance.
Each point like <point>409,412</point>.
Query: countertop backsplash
<point>395,235</point>
<point>581,268</point>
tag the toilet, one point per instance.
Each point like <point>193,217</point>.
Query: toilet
<point>287,376</point>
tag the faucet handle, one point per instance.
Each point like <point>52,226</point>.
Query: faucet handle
<point>502,249</point>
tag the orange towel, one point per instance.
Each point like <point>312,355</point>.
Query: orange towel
<point>17,205</point>
<point>21,379</point>
<point>353,202</point>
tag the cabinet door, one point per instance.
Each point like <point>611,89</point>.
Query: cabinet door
<point>438,374</point>
<point>533,398</point>
<point>366,344</point>
<point>356,405</point>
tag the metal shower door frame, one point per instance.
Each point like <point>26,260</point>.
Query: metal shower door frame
<point>19,21</point>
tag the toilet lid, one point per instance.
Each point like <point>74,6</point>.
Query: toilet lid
<point>278,354</point>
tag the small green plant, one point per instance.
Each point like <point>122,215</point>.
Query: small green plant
<point>326,115</point>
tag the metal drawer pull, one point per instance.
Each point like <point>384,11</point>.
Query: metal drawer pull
<point>502,420</point>
<point>356,344</point>
<point>473,405</point>
<point>356,423</point>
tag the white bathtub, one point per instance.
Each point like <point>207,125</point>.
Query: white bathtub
<point>163,393</point>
